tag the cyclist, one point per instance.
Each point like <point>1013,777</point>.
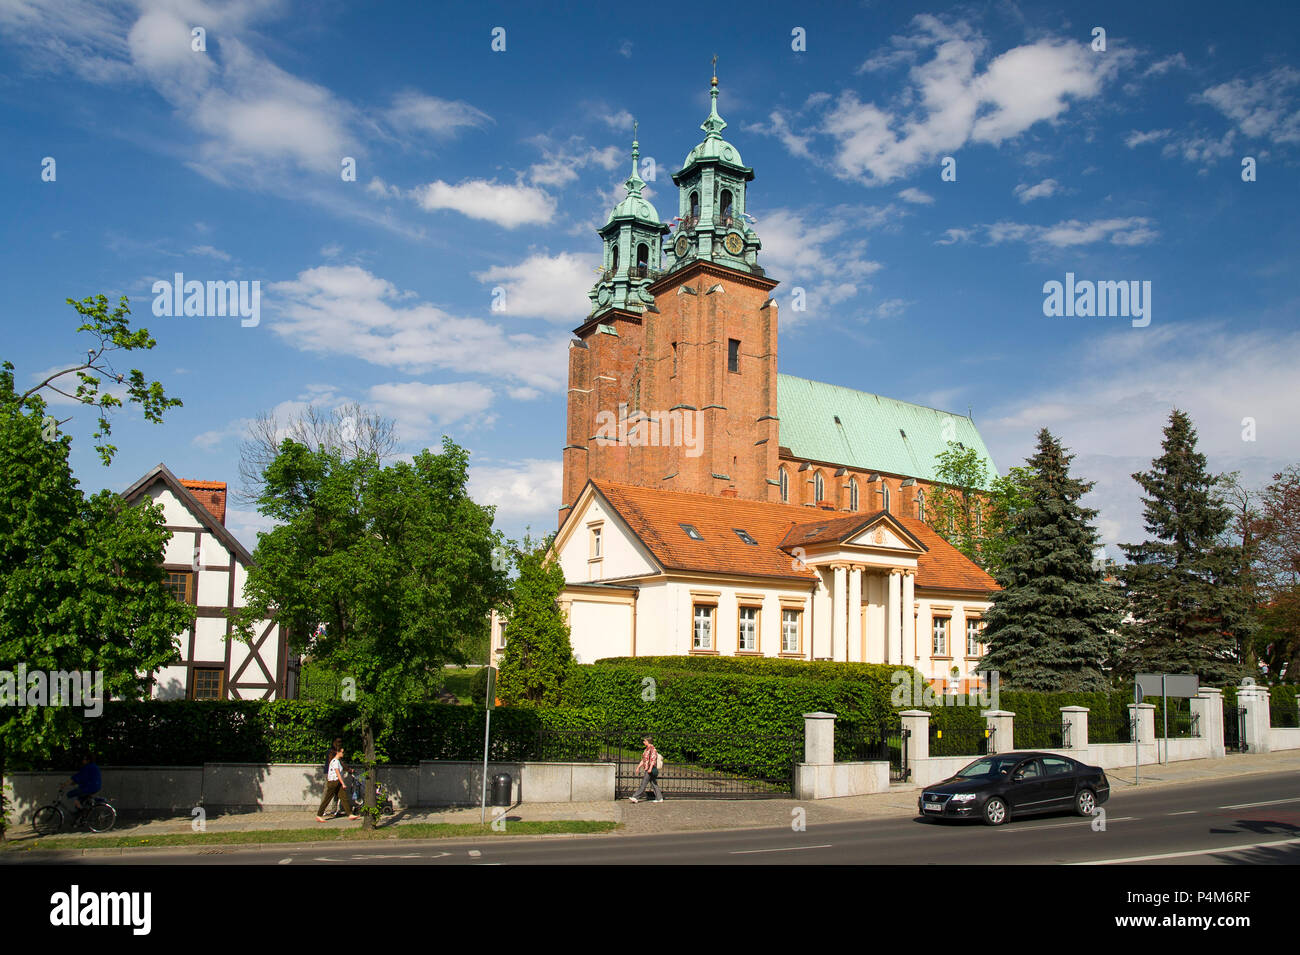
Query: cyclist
<point>85,782</point>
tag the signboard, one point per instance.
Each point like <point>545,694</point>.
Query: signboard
<point>491,700</point>
<point>1182,685</point>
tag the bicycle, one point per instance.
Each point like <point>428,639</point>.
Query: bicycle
<point>99,816</point>
<point>356,784</point>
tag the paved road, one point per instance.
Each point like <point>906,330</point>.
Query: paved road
<point>1253,820</point>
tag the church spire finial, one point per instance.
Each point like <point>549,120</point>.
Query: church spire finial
<point>635,182</point>
<point>715,124</point>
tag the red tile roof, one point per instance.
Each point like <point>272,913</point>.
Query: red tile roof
<point>655,517</point>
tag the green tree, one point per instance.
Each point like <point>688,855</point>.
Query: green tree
<point>1050,624</point>
<point>81,579</point>
<point>970,509</point>
<point>380,573</point>
<point>1184,584</point>
<point>1277,575</point>
<point>538,657</point>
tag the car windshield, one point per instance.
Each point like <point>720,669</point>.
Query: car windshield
<point>990,766</point>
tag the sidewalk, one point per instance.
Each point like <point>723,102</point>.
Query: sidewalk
<point>684,815</point>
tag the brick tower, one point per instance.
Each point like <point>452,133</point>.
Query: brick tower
<point>672,377</point>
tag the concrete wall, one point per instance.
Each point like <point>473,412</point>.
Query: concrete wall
<point>827,780</point>
<point>1283,738</point>
<point>299,786</point>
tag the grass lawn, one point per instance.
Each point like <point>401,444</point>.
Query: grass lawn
<point>414,830</point>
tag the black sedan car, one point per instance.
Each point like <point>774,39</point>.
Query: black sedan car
<point>995,788</point>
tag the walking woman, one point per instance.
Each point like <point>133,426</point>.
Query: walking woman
<point>335,786</point>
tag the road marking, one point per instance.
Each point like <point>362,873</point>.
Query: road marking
<point>1063,825</point>
<point>746,852</point>
<point>382,855</point>
<point>1252,805</point>
<point>285,861</point>
<point>1193,852</point>
<point>474,853</point>
<point>1185,812</point>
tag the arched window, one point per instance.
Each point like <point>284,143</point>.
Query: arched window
<point>695,204</point>
<point>784,478</point>
<point>614,261</point>
<point>642,256</point>
<point>726,203</point>
<point>853,494</point>
<point>819,487</point>
<point>884,492</point>
<point>920,505</point>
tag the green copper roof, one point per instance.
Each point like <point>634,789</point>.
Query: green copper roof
<point>874,433</point>
<point>634,205</point>
<point>714,146</point>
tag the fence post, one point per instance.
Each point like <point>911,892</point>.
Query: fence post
<point>1077,718</point>
<point>1208,705</point>
<point>1142,717</point>
<point>1254,699</point>
<point>1002,730</point>
<point>819,738</point>
<point>917,744</point>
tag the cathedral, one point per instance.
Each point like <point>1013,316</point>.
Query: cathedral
<point>712,505</point>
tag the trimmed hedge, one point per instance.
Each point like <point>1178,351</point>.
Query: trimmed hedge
<point>189,733</point>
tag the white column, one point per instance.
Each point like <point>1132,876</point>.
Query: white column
<point>840,600</point>
<point>909,617</point>
<point>893,631</point>
<point>855,615</point>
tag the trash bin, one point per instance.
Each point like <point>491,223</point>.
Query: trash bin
<point>501,789</point>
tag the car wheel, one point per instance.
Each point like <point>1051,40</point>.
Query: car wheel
<point>1085,804</point>
<point>995,812</point>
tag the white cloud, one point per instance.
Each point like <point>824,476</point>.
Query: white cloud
<point>1163,66</point>
<point>349,311</point>
<point>210,252</point>
<point>1136,138</point>
<point>916,196</point>
<point>954,98</point>
<point>542,286</point>
<point>377,187</point>
<point>816,253</point>
<point>1043,190</point>
<point>1264,108</point>
<point>420,409</point>
<point>1133,230</point>
<point>504,204</point>
<point>889,308</point>
<point>246,524</point>
<point>527,489</point>
<point>562,164</point>
<point>1114,400</point>
<point>418,112</point>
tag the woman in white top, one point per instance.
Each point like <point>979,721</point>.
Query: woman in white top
<point>335,786</point>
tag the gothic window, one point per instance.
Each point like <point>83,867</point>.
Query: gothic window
<point>784,477</point>
<point>733,354</point>
<point>884,491</point>
<point>853,494</point>
<point>819,487</point>
<point>920,505</point>
<point>674,359</point>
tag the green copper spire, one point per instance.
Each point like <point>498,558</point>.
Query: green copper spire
<point>715,124</point>
<point>635,182</point>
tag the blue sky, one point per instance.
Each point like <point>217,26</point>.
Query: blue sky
<point>480,169</point>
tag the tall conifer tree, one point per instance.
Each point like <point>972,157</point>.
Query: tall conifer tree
<point>1184,583</point>
<point>1051,623</point>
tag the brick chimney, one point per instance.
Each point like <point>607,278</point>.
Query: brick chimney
<point>212,495</point>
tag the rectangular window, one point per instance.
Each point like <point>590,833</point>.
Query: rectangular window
<point>180,583</point>
<point>940,643</point>
<point>595,543</point>
<point>733,355</point>
<point>207,684</point>
<point>790,631</point>
<point>703,628</point>
<point>974,628</point>
<point>748,637</point>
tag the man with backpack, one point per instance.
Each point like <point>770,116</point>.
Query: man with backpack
<point>651,763</point>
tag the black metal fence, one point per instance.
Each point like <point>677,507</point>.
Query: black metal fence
<point>960,740</point>
<point>1050,735</point>
<point>1110,730</point>
<point>1234,730</point>
<point>860,743</point>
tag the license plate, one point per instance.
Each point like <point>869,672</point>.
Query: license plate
<point>933,807</point>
